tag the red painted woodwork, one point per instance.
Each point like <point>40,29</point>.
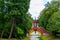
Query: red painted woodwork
<point>35,28</point>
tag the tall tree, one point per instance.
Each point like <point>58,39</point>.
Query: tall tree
<point>14,13</point>
<point>46,14</point>
<point>2,19</point>
<point>49,15</point>
<point>54,24</point>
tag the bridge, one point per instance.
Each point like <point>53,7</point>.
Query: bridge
<point>36,32</point>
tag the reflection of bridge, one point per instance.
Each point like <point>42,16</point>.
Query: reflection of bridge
<point>34,36</point>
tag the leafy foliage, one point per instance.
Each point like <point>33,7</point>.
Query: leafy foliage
<point>13,15</point>
<point>50,16</point>
<point>54,23</point>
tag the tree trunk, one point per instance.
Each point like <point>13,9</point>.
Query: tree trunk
<point>2,34</point>
<point>2,31</point>
<point>13,21</point>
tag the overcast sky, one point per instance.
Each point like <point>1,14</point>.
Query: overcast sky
<point>36,6</point>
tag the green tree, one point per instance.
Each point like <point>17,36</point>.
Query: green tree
<point>14,18</point>
<point>49,17</point>
<point>45,15</point>
<point>54,23</point>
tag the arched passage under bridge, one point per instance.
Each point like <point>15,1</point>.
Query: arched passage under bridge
<point>36,33</point>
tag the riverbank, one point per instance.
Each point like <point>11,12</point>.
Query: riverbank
<point>44,38</point>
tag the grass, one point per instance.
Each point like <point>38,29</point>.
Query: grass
<point>46,37</point>
<point>50,38</point>
<point>10,39</point>
<point>7,39</point>
<point>26,38</point>
<point>15,39</point>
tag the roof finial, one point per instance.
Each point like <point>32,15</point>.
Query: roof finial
<point>35,18</point>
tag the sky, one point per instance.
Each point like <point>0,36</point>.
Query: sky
<point>36,6</point>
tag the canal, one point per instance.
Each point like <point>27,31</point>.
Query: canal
<point>35,36</point>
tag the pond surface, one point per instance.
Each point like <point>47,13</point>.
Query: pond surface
<point>34,38</point>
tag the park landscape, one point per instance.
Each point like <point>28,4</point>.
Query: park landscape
<point>16,22</point>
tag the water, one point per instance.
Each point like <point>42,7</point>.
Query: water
<point>34,38</point>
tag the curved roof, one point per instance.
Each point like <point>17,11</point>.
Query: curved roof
<point>40,29</point>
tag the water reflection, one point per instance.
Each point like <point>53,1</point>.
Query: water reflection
<point>35,35</point>
<point>34,38</point>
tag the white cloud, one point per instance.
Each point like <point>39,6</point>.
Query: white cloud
<point>36,6</point>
